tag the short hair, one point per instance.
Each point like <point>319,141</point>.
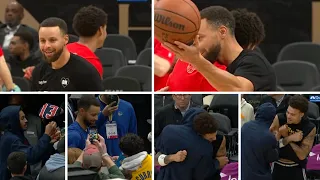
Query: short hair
<point>25,37</point>
<point>249,28</point>
<point>86,101</point>
<point>299,102</point>
<point>131,144</point>
<point>73,154</point>
<point>204,123</point>
<point>218,16</point>
<point>88,20</point>
<point>16,162</point>
<point>53,22</point>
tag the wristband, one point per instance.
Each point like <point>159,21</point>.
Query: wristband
<point>161,160</point>
<point>281,145</point>
<point>105,154</point>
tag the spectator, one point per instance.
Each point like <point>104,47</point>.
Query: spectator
<point>122,116</point>
<point>280,101</point>
<point>88,110</point>
<point>55,167</point>
<point>14,140</point>
<point>14,13</point>
<point>137,161</point>
<point>5,74</point>
<point>73,154</point>
<point>17,165</point>
<point>90,24</point>
<point>247,111</point>
<point>21,55</point>
<point>62,70</point>
<point>172,113</point>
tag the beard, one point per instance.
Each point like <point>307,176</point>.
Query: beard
<point>87,122</point>
<point>213,53</point>
<point>54,57</point>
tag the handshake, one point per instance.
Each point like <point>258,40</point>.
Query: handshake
<point>52,131</point>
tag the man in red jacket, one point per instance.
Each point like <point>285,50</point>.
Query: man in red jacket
<point>90,24</point>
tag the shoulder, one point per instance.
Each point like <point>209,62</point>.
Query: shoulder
<point>23,26</point>
<point>80,65</point>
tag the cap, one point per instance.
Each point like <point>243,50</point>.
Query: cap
<point>49,111</point>
<point>92,157</point>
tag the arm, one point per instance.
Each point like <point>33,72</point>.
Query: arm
<point>161,66</point>
<point>34,153</point>
<point>133,121</point>
<point>275,125</point>
<point>222,149</point>
<point>304,149</point>
<point>220,79</point>
<point>5,74</point>
<point>177,157</point>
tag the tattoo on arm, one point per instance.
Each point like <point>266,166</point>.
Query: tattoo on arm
<point>222,149</point>
<point>304,149</point>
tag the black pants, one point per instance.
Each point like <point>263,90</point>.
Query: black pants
<point>281,172</point>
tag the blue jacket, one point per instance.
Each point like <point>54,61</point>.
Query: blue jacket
<point>258,145</point>
<point>14,140</point>
<point>199,163</point>
<point>77,136</point>
<point>126,120</point>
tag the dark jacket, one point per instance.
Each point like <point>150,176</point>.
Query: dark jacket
<point>258,145</point>
<point>21,178</point>
<point>199,164</point>
<point>53,169</point>
<point>283,106</point>
<point>17,65</point>
<point>14,140</point>
<point>22,27</point>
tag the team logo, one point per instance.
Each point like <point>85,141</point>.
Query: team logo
<point>65,82</point>
<point>120,113</point>
<point>190,69</point>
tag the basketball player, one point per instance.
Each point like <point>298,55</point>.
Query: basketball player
<point>5,74</point>
<point>246,70</point>
<point>249,32</point>
<point>296,134</point>
<point>62,71</point>
<point>90,24</point>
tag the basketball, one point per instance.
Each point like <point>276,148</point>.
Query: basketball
<point>176,20</point>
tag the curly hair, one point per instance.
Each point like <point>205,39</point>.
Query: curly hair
<point>299,102</point>
<point>249,30</point>
<point>204,123</point>
<point>131,144</point>
<point>88,20</point>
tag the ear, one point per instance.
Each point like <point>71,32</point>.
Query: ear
<point>302,114</point>
<point>66,39</point>
<point>223,31</point>
<point>81,111</point>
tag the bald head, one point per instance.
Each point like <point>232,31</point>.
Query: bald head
<point>13,14</point>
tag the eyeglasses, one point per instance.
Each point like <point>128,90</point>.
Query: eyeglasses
<point>180,96</point>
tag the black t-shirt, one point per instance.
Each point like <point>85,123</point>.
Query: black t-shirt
<point>253,66</point>
<point>76,75</point>
<point>17,65</point>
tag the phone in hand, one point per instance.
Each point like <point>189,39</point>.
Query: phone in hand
<point>93,133</point>
<point>112,98</point>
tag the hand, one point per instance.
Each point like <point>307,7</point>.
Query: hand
<point>277,135</point>
<point>28,72</point>
<point>51,129</point>
<point>114,158</point>
<point>283,130</point>
<point>165,89</point>
<point>88,141</point>
<point>222,161</point>
<point>296,137</point>
<point>100,144</point>
<point>179,156</point>
<point>109,109</point>
<point>186,53</point>
<point>55,137</point>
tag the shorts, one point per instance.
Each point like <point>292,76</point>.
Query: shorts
<point>282,171</point>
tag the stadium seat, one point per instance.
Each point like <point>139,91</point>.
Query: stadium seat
<point>111,59</point>
<point>123,43</point>
<point>148,44</point>
<point>279,88</point>
<point>303,51</point>
<point>197,99</point>
<point>226,104</point>
<point>158,102</point>
<point>296,75</point>
<point>75,173</point>
<point>148,85</point>
<point>121,84</point>
<point>316,88</point>
<point>141,73</point>
<point>145,57</point>
<point>73,38</point>
<point>23,84</point>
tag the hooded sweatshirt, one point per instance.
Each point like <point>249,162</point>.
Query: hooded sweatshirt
<point>199,164</point>
<point>53,169</point>
<point>14,140</point>
<point>258,145</point>
<point>140,165</point>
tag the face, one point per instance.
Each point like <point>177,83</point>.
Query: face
<point>23,120</point>
<point>103,35</point>
<point>91,115</point>
<point>182,100</point>
<point>52,43</point>
<point>17,47</point>
<point>210,137</point>
<point>13,14</point>
<point>294,115</point>
<point>209,41</point>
